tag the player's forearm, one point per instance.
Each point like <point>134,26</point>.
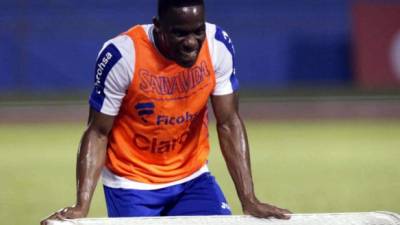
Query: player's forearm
<point>90,161</point>
<point>234,146</point>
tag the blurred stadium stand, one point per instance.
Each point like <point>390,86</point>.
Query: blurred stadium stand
<point>51,46</point>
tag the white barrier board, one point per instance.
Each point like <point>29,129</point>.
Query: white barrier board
<point>368,218</point>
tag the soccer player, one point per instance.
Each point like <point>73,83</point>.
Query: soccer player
<point>147,133</point>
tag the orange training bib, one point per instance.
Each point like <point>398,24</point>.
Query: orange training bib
<point>161,132</point>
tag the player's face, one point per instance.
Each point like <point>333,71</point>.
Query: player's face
<point>183,33</point>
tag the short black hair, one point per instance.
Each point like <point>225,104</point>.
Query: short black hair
<point>164,5</point>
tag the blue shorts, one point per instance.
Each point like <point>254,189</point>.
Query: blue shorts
<point>200,196</point>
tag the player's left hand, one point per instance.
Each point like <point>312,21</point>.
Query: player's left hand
<point>264,210</point>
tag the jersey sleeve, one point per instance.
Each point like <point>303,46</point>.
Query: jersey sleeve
<point>113,75</point>
<point>223,57</point>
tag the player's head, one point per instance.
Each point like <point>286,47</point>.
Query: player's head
<point>180,29</point>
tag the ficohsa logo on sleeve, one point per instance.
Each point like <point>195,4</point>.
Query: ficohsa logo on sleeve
<point>100,69</point>
<point>108,58</point>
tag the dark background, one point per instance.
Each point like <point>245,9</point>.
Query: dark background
<point>50,47</point>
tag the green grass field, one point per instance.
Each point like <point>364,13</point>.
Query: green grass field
<point>320,166</point>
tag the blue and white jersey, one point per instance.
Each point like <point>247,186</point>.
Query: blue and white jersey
<point>116,62</point>
<point>114,73</point>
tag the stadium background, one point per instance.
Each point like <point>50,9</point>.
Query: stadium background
<point>320,93</point>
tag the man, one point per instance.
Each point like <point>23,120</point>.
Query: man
<point>147,132</point>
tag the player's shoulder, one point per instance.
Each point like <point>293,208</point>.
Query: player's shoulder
<point>219,41</point>
<point>213,30</point>
<point>216,33</point>
<point>122,44</point>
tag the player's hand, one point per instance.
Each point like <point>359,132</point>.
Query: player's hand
<point>72,212</point>
<point>264,210</point>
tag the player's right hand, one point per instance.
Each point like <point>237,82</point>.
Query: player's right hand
<point>264,210</point>
<point>71,212</point>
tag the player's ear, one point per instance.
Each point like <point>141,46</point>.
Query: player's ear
<point>156,23</point>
